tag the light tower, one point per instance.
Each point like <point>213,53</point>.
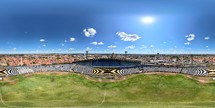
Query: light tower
<point>158,56</point>
<point>126,52</point>
<point>112,56</point>
<point>86,54</point>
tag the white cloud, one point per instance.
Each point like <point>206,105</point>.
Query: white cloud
<point>100,43</point>
<point>130,47</point>
<point>14,48</point>
<point>89,49</point>
<point>207,38</point>
<point>187,43</point>
<point>72,39</point>
<point>206,46</point>
<point>65,41</point>
<point>44,45</point>
<point>190,37</point>
<point>128,37</point>
<point>71,49</point>
<point>94,43</point>
<point>42,40</point>
<point>62,44</point>
<point>112,46</point>
<point>143,47</point>
<point>152,46</point>
<point>97,43</point>
<point>89,32</point>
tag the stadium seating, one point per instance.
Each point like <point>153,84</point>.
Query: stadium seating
<point>91,71</point>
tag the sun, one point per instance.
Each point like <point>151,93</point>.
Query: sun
<point>148,20</point>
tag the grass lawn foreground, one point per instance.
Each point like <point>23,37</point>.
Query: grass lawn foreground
<point>137,91</point>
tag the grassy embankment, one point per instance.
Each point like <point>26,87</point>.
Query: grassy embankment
<point>137,91</point>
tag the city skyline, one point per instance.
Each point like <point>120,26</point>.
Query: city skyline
<point>139,27</point>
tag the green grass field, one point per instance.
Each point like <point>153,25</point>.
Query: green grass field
<point>173,91</point>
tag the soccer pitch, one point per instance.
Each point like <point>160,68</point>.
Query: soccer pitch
<point>137,91</point>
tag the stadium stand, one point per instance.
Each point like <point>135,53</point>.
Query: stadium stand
<point>104,68</point>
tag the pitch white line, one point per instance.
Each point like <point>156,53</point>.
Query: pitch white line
<point>2,101</point>
<point>103,99</point>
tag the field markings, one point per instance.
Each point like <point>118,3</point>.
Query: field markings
<point>2,101</point>
<point>103,99</point>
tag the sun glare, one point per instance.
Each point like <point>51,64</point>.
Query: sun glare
<point>148,20</point>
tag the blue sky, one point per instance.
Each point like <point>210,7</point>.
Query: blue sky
<point>74,26</point>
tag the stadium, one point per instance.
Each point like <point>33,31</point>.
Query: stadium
<point>106,82</point>
<point>106,68</point>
